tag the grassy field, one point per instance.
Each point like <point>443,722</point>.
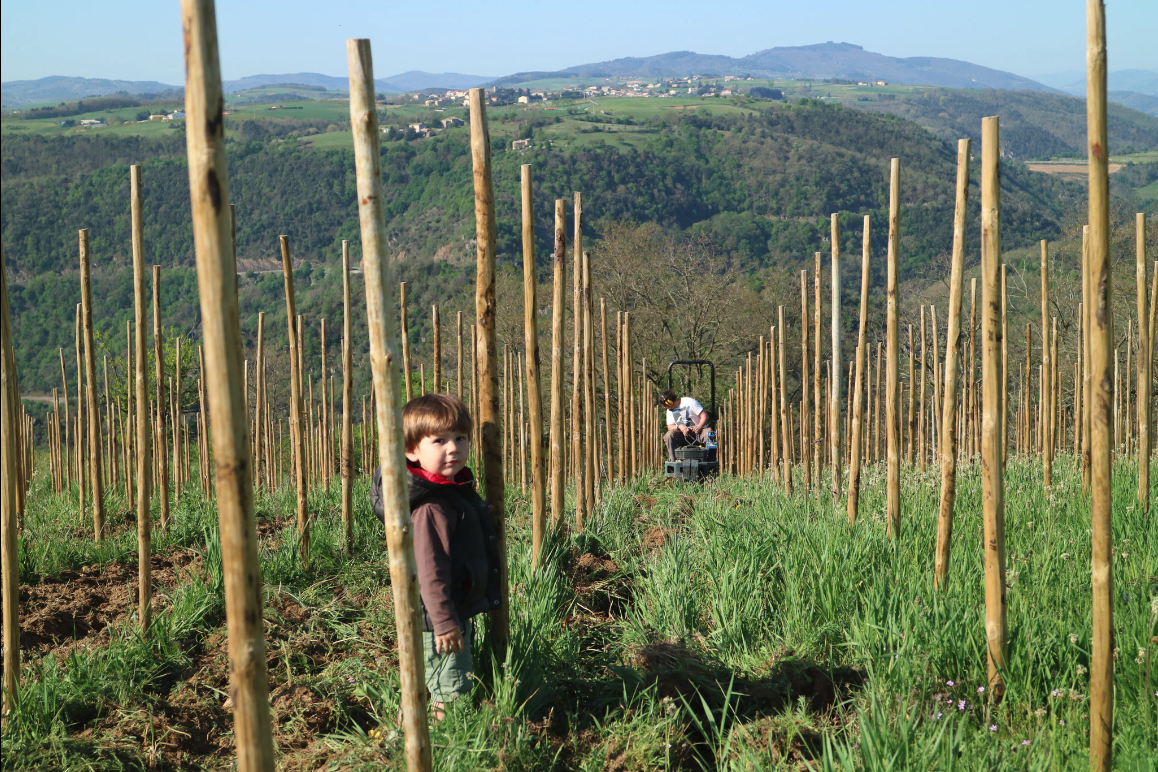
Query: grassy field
<point>720,626</point>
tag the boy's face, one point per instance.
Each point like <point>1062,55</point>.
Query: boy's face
<point>443,454</point>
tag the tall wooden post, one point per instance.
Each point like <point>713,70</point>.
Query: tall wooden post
<point>922,450</point>
<point>1145,396</point>
<point>911,440</point>
<point>259,400</point>
<point>855,438</point>
<point>297,430</point>
<point>578,459</point>
<point>607,430</point>
<point>531,347</point>
<point>93,411</point>
<point>558,468</point>
<point>1087,385</point>
<point>592,444</point>
<point>402,305</point>
<point>485,311</point>
<point>388,406</point>
<point>158,398</point>
<point>9,500</point>
<point>949,389</point>
<point>785,407</point>
<point>892,354</point>
<point>817,401</point>
<point>805,442</point>
<point>144,448</point>
<point>348,405</point>
<point>436,324</point>
<point>217,283</point>
<point>1101,342</point>
<point>834,400</point>
<point>992,480</point>
<point>1047,370</point>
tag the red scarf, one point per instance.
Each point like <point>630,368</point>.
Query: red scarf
<point>462,478</point>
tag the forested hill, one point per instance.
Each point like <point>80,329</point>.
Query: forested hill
<point>761,185</point>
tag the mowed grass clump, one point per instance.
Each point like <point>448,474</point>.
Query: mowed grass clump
<point>715,626</point>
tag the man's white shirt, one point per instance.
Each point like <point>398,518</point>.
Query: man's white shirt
<point>687,414</point>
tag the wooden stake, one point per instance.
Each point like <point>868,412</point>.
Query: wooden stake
<point>297,430</point>
<point>578,459</point>
<point>591,445</point>
<point>607,431</point>
<point>911,440</point>
<point>785,409</point>
<point>948,437</point>
<point>556,458</point>
<point>834,383</point>
<point>388,406</point>
<point>348,403</point>
<point>1047,368</point>
<point>856,441</point>
<point>458,354</point>
<point>485,311</point>
<point>817,424</point>
<point>531,344</point>
<point>922,448</point>
<point>992,480</point>
<point>1145,393</point>
<point>93,412</point>
<point>805,449</point>
<point>217,283</point>
<point>892,354</point>
<point>405,341</point>
<point>9,501</point>
<point>436,324</point>
<point>144,450</point>
<point>1101,336</point>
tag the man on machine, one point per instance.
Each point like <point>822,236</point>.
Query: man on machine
<point>687,422</point>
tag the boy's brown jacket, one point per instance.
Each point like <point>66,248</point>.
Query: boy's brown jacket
<point>454,546</point>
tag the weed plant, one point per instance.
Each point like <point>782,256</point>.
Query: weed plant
<point>714,626</point>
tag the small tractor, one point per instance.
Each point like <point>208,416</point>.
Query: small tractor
<point>696,461</point>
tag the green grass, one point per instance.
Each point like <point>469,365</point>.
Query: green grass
<point>721,626</point>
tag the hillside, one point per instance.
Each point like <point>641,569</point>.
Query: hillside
<point>758,184</point>
<point>823,60</point>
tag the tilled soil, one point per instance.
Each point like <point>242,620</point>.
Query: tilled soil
<point>72,606</point>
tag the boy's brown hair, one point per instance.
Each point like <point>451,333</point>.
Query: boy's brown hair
<point>433,414</point>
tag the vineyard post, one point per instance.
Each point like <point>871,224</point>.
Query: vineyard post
<point>1101,341</point>
<point>485,312</point>
<point>1003,392</point>
<point>606,392</point>
<point>80,411</point>
<point>834,383</point>
<point>259,402</point>
<point>217,283</point>
<point>578,460</point>
<point>531,347</point>
<point>817,424</point>
<point>992,479</point>
<point>921,422</point>
<point>911,440</point>
<point>297,432</point>
<point>949,388</point>
<point>93,411</point>
<point>388,406</point>
<point>9,515</point>
<point>1144,397</point>
<point>785,408</point>
<point>158,395</point>
<point>1047,371</point>
<point>805,440</point>
<point>1087,382</point>
<point>556,457</point>
<point>405,327</point>
<point>144,449</point>
<point>458,355</point>
<point>347,405</point>
<point>892,386</point>
<point>68,451</point>
<point>856,440</point>
<point>592,445</point>
<point>436,323</point>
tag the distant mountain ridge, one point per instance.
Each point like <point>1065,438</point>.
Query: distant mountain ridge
<point>846,61</point>
<point>66,88</point>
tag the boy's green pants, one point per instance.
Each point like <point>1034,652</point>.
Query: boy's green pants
<point>448,675</point>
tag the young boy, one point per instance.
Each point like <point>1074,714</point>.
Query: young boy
<point>454,540</point>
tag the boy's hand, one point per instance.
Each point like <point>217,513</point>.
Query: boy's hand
<point>451,643</point>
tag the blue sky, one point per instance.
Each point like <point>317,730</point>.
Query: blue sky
<point>141,39</point>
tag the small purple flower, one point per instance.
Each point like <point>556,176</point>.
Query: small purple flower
<point>937,698</point>
<point>1025,742</point>
<point>950,683</point>
<point>961,705</point>
<point>993,727</point>
<point>1061,721</point>
<point>1053,693</point>
<point>980,689</point>
<point>939,715</point>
